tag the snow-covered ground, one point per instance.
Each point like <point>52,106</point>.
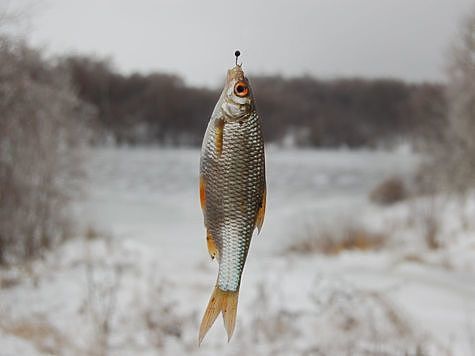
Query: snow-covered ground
<point>139,283</point>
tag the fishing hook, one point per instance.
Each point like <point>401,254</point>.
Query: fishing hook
<point>237,54</point>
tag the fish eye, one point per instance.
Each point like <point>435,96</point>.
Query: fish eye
<point>241,89</point>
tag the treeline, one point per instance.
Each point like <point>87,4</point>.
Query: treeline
<point>136,108</point>
<point>350,112</point>
<point>160,108</point>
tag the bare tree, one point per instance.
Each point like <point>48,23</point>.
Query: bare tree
<point>454,157</point>
<point>40,138</point>
<point>461,94</point>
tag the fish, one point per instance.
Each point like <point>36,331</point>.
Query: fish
<point>232,192</point>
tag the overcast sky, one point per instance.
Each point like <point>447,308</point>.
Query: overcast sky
<point>197,38</point>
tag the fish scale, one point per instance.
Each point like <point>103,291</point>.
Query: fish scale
<point>233,181</point>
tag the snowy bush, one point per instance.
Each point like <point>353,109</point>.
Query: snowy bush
<point>392,190</point>
<point>40,138</point>
<point>453,153</point>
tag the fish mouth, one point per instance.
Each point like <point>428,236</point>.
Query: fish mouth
<point>235,74</point>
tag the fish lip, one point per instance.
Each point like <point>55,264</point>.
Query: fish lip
<point>236,73</point>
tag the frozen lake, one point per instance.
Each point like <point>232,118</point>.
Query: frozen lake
<point>404,298</point>
<point>152,194</point>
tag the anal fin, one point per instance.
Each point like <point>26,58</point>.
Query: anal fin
<point>212,248</point>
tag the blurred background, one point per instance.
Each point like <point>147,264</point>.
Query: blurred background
<point>368,112</point>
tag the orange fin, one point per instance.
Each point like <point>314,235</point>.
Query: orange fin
<point>229,310</point>
<point>219,132</point>
<point>212,248</point>
<point>211,313</point>
<point>224,302</point>
<point>202,193</point>
<point>261,212</point>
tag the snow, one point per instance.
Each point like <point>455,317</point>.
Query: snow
<point>139,283</point>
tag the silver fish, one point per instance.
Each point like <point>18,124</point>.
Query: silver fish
<point>232,192</point>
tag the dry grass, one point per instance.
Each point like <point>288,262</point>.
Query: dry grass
<point>414,258</point>
<point>390,191</point>
<point>270,326</point>
<point>160,316</point>
<point>92,233</point>
<point>7,282</point>
<point>342,320</point>
<point>428,218</point>
<point>367,322</point>
<point>332,242</point>
<point>103,286</point>
<point>431,233</point>
<point>41,334</point>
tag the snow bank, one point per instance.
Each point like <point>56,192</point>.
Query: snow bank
<point>141,288</point>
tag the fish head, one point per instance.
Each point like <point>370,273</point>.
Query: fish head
<point>237,101</point>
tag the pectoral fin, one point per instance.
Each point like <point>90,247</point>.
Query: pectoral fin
<point>219,133</point>
<point>261,212</point>
<point>212,249</point>
<point>202,193</point>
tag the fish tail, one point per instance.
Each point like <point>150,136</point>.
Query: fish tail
<point>229,310</point>
<point>224,302</point>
